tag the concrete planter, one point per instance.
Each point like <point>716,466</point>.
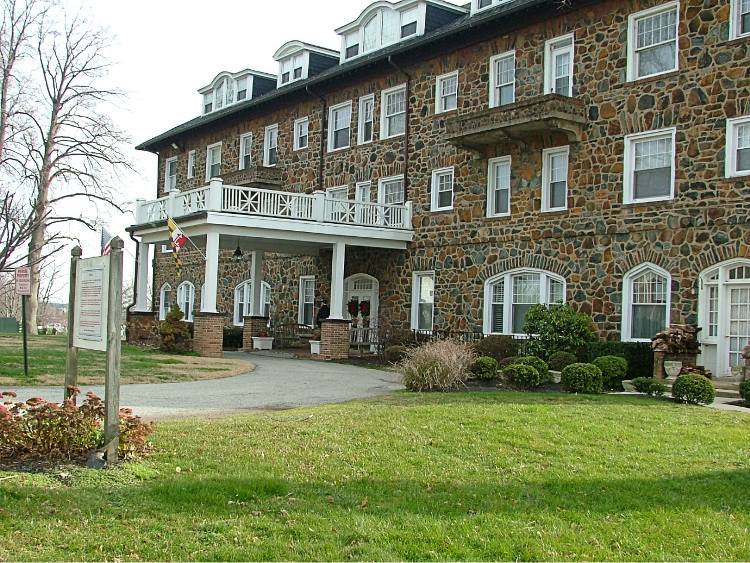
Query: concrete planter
<point>672,368</point>
<point>555,376</point>
<point>315,347</point>
<point>628,386</point>
<point>262,343</point>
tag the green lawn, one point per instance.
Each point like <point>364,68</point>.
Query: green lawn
<point>139,365</point>
<point>430,477</point>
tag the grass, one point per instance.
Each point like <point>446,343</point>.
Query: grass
<point>421,477</point>
<point>139,365</point>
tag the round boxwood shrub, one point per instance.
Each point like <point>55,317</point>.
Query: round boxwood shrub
<point>650,386</point>
<point>693,389</point>
<point>394,354</point>
<point>523,375</point>
<point>745,390</point>
<point>484,367</point>
<point>560,360</point>
<point>582,378</point>
<point>614,370</point>
<point>537,363</point>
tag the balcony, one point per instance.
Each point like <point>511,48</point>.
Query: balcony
<point>254,175</point>
<point>542,115</point>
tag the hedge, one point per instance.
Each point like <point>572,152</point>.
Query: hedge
<point>639,355</point>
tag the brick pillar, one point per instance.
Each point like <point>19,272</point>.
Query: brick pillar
<point>143,328</point>
<point>659,358</point>
<point>208,334</point>
<point>252,327</point>
<point>334,339</point>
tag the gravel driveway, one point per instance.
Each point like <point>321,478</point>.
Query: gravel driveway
<point>276,383</point>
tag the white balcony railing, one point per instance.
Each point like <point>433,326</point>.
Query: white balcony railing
<point>319,207</point>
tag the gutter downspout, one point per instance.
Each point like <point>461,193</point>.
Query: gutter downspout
<point>323,129</point>
<point>407,135</point>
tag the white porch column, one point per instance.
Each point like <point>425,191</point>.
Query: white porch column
<point>257,283</point>
<point>208,303</point>
<point>337,281</point>
<point>141,293</point>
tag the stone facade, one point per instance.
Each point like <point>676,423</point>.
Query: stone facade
<point>593,243</point>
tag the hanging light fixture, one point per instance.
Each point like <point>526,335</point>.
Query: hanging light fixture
<point>238,252</point>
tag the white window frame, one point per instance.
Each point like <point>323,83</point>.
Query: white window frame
<point>163,311</point>
<point>298,124</point>
<point>439,99</point>
<point>361,120</point>
<point>434,192</point>
<point>507,278</point>
<point>246,287</point>
<point>549,66</point>
<point>332,111</point>
<point>415,287</point>
<point>627,299</point>
<point>245,140</point>
<point>209,162</point>
<point>170,179</point>
<point>632,62</point>
<point>301,302</point>
<point>384,130</point>
<point>267,148</point>
<point>494,99</point>
<point>387,180</point>
<point>732,146</point>
<point>190,288</point>
<point>491,187</point>
<point>547,155</point>
<point>191,165</point>
<point>735,25</point>
<point>629,167</point>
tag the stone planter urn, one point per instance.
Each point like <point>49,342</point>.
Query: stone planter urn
<point>627,384</point>
<point>555,376</point>
<point>672,368</point>
<point>262,342</point>
<point>315,347</point>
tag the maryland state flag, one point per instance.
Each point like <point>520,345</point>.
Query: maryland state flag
<point>178,240</point>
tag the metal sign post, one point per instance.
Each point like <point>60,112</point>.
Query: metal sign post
<point>71,359</point>
<point>23,289</point>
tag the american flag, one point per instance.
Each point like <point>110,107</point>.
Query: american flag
<point>106,242</point>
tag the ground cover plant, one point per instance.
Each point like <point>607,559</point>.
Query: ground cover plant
<point>463,476</point>
<point>139,365</point>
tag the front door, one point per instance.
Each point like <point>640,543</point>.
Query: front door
<point>363,291</point>
<point>739,324</point>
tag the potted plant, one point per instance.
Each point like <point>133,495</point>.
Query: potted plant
<point>263,341</point>
<point>315,343</point>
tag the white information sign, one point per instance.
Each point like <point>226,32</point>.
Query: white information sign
<point>92,296</point>
<point>23,280</point>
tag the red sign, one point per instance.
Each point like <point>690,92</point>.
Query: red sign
<point>23,280</point>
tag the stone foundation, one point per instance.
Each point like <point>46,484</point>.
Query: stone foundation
<point>253,327</point>
<point>142,328</point>
<point>334,339</point>
<point>208,334</point>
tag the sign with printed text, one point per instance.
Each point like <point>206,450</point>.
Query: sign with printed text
<point>91,305</point>
<point>23,280</point>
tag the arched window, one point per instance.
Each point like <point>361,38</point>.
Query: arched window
<point>371,34</point>
<point>186,300</point>
<point>509,296</point>
<point>243,301</point>
<point>646,300</point>
<point>165,301</point>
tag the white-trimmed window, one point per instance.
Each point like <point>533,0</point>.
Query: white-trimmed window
<point>306,310</point>
<point>442,189</point>
<point>446,92</point>
<point>479,5</point>
<point>271,145</point>
<point>186,300</point>
<point>739,23</point>
<point>738,147</point>
<point>301,133</point>
<point>393,113</point>
<point>170,174</point>
<point>498,187</point>
<point>339,126</point>
<point>166,300</point>
<point>509,296</point>
<point>423,301</point>
<point>246,149</point>
<point>555,178</point>
<point>503,79</point>
<point>391,192</point>
<point>213,161</point>
<point>243,301</point>
<point>653,41</point>
<point>649,166</point>
<point>191,165</point>
<point>366,119</point>
<point>646,302</point>
<point>559,65</point>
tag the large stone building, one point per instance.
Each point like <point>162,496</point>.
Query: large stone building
<point>453,165</point>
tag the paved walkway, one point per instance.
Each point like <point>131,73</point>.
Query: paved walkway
<point>276,383</point>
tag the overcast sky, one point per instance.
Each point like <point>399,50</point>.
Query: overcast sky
<point>164,50</point>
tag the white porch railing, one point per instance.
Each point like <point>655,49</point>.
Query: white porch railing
<point>319,207</point>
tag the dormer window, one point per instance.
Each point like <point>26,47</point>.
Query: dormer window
<point>241,89</point>
<point>208,102</point>
<point>230,88</point>
<point>480,5</point>
<point>296,59</point>
<point>409,20</point>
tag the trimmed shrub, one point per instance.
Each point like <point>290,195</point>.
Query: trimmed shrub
<point>557,328</point>
<point>537,363</point>
<point>174,333</point>
<point>441,365</point>
<point>505,362</point>
<point>745,390</point>
<point>649,386</point>
<point>639,355</point>
<point>523,375</point>
<point>560,360</point>
<point>233,338</point>
<point>582,378</point>
<point>693,389</point>
<point>394,354</point>
<point>484,367</point>
<point>498,347</point>
<point>614,370</point>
